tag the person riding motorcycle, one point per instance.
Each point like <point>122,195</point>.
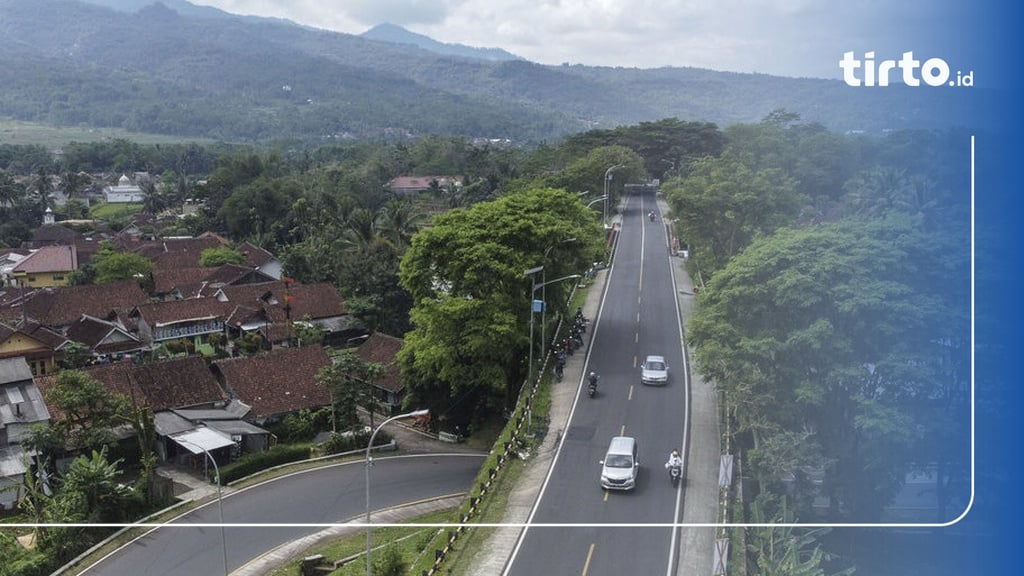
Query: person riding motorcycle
<point>592,380</point>
<point>674,459</point>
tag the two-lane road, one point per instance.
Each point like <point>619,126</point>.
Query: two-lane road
<point>295,505</point>
<point>601,532</point>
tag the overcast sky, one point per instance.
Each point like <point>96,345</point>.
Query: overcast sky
<point>780,37</point>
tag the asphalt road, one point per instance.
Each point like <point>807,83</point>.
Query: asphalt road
<point>593,531</point>
<point>293,506</point>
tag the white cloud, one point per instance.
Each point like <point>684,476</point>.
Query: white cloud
<point>785,37</point>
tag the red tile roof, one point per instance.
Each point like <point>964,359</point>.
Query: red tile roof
<point>49,259</point>
<point>276,383</point>
<point>59,307</point>
<point>178,383</point>
<point>383,349</point>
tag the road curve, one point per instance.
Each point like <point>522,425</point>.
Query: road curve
<point>265,516</point>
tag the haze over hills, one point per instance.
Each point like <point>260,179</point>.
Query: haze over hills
<point>179,69</point>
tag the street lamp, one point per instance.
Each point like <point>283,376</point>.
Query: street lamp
<point>220,501</point>
<point>544,299</point>
<point>533,293</point>
<point>607,178</point>
<point>596,200</point>
<point>532,273</point>
<point>369,446</point>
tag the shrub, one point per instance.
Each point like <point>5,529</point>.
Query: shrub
<point>349,441</point>
<point>252,463</point>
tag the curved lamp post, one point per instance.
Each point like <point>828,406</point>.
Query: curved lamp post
<point>220,501</point>
<point>369,462</point>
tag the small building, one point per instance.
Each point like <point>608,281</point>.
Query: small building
<point>21,406</point>
<point>277,383</point>
<point>46,266</point>
<point>407,185</point>
<point>37,345</point>
<point>388,391</point>
<point>124,192</point>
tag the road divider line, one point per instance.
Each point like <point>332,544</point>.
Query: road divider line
<point>586,564</point>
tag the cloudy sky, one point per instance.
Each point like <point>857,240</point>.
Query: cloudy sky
<point>780,37</point>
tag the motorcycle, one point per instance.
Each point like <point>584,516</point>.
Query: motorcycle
<point>651,215</point>
<point>592,386</point>
<point>559,372</point>
<point>674,473</point>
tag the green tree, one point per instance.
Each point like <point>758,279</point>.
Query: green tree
<point>350,380</point>
<point>77,355</point>
<point>122,266</point>
<point>784,550</point>
<point>471,298</point>
<point>723,205</point>
<point>90,411</point>
<point>214,257</point>
<point>836,338</point>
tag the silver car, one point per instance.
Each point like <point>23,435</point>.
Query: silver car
<point>654,371</point>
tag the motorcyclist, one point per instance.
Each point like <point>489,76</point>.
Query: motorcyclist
<point>651,215</point>
<point>674,459</point>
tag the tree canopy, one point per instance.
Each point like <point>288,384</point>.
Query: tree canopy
<point>471,310</point>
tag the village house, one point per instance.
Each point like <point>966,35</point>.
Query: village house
<point>46,266</point>
<point>389,389</point>
<point>408,185</point>
<point>38,346</point>
<point>277,383</point>
<point>21,407</point>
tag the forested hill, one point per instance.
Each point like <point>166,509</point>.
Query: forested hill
<point>199,72</point>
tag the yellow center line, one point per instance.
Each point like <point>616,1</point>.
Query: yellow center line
<point>623,433</point>
<point>606,493</point>
<point>630,392</point>
<point>586,564</point>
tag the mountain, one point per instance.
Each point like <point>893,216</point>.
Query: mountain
<point>397,35</point>
<point>176,69</point>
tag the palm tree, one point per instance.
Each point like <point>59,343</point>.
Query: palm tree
<point>399,220</point>
<point>42,186</point>
<point>10,192</point>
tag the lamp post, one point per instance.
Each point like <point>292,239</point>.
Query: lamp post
<point>220,501</point>
<point>607,178</point>
<point>596,200</point>
<point>544,299</point>
<point>532,273</point>
<point>533,292</point>
<point>369,462</point>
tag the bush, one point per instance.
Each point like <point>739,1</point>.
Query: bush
<point>348,441</point>
<point>252,463</point>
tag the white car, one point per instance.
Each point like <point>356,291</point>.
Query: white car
<point>654,371</point>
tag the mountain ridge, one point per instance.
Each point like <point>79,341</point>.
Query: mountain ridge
<point>387,32</point>
<point>249,79</point>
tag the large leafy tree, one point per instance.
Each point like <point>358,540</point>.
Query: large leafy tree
<point>834,347</point>
<point>722,206</point>
<point>90,412</point>
<point>122,266</point>
<point>471,297</point>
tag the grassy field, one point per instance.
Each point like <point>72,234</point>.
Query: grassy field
<point>18,132</point>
